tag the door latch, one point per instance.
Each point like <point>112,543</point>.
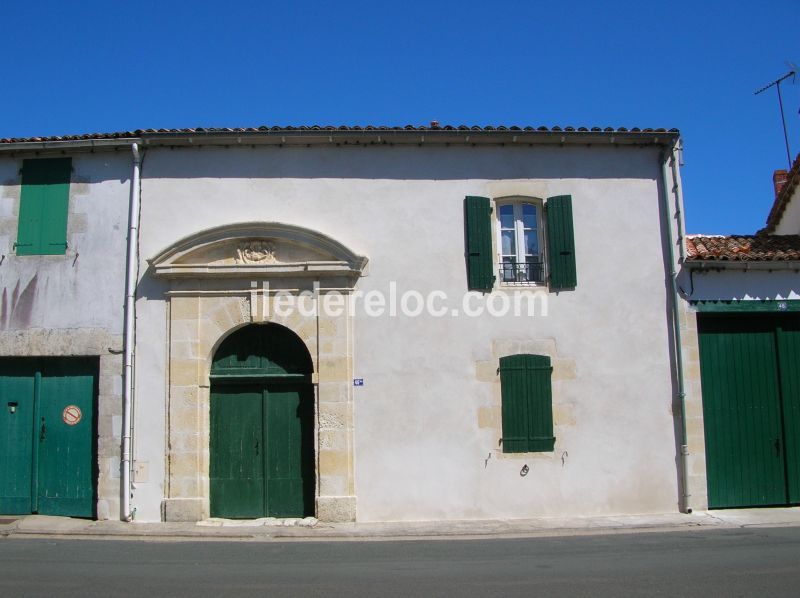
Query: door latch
<point>42,431</point>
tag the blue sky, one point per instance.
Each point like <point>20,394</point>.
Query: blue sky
<point>88,66</point>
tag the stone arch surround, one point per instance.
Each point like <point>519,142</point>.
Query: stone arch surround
<point>203,309</point>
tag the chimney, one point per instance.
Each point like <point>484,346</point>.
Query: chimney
<point>779,178</point>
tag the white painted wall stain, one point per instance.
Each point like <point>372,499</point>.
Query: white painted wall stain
<point>85,287</point>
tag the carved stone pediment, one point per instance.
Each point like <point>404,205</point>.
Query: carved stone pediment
<point>254,250</point>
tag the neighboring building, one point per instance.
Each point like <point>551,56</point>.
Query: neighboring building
<point>242,409</point>
<point>784,217</point>
<point>743,295</point>
<point>63,218</point>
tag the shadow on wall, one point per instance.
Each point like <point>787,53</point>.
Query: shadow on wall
<point>409,163</point>
<point>713,285</point>
<point>151,288</point>
<point>87,168</point>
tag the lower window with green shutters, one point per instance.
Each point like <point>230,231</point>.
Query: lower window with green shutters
<point>527,403</point>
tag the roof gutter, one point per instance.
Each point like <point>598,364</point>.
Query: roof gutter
<point>381,137</point>
<point>718,265</point>
<point>73,144</point>
<point>351,137</point>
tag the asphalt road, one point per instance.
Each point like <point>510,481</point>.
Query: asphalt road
<point>741,562</point>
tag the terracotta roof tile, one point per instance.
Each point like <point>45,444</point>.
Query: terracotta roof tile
<point>755,248</point>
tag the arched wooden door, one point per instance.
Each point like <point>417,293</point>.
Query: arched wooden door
<point>262,425</point>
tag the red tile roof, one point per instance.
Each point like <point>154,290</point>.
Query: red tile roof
<point>753,248</point>
<point>782,199</point>
<point>154,133</point>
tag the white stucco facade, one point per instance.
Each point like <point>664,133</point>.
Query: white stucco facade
<point>426,424</point>
<point>788,222</point>
<point>421,439</point>
<point>89,272</point>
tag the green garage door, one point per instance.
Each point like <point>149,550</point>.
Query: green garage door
<point>751,408</point>
<point>47,436</point>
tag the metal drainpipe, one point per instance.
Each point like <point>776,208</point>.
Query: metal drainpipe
<point>678,187</point>
<point>676,325</point>
<point>131,273</point>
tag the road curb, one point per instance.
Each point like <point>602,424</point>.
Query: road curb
<point>37,526</point>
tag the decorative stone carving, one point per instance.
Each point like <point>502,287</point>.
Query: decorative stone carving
<point>256,252</point>
<point>259,249</point>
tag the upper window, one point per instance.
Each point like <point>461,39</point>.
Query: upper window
<point>519,234</point>
<point>43,207</point>
<point>519,256</point>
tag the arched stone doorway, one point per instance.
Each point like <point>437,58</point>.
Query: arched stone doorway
<point>225,279</point>
<point>261,437</point>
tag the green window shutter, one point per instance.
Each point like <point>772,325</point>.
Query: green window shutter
<point>527,403</point>
<point>561,243</point>
<point>44,204</point>
<point>478,231</point>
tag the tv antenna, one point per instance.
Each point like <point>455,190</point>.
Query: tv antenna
<point>777,85</point>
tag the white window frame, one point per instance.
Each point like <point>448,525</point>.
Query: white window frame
<point>519,237</point>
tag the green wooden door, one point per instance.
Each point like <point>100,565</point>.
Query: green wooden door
<point>749,377</point>
<point>17,379</point>
<point>48,464</point>
<point>237,451</point>
<point>788,334</point>
<point>261,449</point>
<point>262,425</point>
<point>290,462</point>
<point>66,468</point>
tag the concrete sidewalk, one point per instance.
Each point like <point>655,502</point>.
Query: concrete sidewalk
<point>311,529</point>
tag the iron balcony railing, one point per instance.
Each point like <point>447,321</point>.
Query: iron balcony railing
<point>510,271</point>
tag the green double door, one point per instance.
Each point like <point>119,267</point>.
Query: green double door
<point>47,436</point>
<point>262,449</point>
<point>750,370</point>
